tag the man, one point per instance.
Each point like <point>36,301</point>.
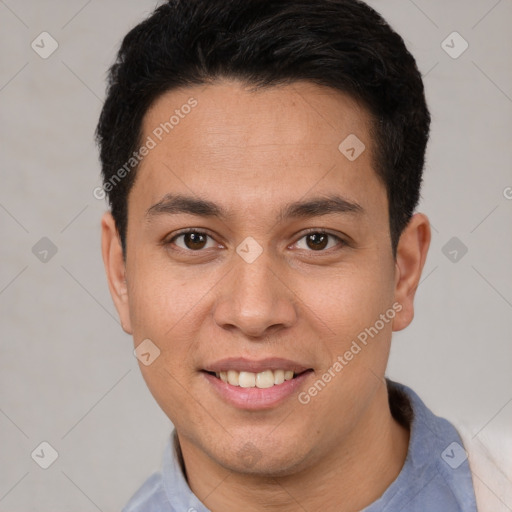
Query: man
<point>263,161</point>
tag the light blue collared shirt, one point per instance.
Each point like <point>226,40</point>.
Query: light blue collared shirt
<point>435,477</point>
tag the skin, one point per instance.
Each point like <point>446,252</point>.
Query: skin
<point>252,152</point>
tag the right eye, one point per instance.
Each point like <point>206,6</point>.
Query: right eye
<point>191,240</point>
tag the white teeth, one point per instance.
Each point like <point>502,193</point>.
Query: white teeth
<point>262,380</point>
<point>233,377</point>
<point>247,379</point>
<point>265,379</point>
<point>278,376</point>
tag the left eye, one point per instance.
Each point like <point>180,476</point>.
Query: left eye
<point>193,240</point>
<point>319,241</point>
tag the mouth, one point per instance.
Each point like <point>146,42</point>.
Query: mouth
<point>261,380</point>
<point>256,385</point>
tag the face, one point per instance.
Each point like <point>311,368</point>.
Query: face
<point>257,250</point>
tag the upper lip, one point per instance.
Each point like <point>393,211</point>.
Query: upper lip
<point>242,364</point>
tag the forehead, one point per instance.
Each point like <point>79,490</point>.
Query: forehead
<point>228,111</point>
<point>234,144</point>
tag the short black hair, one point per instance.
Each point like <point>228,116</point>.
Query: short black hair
<point>341,44</point>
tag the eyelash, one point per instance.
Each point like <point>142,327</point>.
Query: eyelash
<point>340,241</point>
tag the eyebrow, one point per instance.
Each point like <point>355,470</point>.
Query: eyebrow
<point>316,207</point>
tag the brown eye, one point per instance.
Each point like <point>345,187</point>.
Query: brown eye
<point>318,241</point>
<point>192,240</point>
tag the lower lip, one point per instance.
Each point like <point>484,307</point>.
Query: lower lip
<point>256,398</point>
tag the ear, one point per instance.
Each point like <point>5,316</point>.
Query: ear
<point>115,269</point>
<point>411,254</point>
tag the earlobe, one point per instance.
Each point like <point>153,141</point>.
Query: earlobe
<point>410,259</point>
<point>115,269</point>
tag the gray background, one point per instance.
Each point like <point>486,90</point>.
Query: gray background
<point>68,375</point>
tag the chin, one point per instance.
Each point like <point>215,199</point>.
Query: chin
<point>264,457</point>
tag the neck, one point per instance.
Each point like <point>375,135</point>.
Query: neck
<point>351,476</point>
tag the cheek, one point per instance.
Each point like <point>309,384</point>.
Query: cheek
<point>161,310</point>
<point>348,309</point>
<point>350,299</point>
<point>167,306</point>
<point>159,297</point>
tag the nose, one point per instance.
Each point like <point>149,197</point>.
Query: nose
<point>254,298</point>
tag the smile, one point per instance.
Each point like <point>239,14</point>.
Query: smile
<point>256,385</point>
<point>262,380</point>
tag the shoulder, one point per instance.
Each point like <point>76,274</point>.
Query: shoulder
<point>436,473</point>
